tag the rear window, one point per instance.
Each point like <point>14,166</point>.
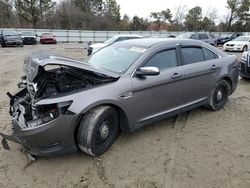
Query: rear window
<point>192,55</point>
<point>209,54</point>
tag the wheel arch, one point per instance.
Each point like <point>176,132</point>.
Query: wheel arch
<point>229,81</point>
<point>123,118</point>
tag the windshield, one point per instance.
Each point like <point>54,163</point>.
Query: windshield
<point>184,36</point>
<point>10,32</point>
<point>242,39</point>
<point>28,34</point>
<point>46,34</point>
<point>110,40</point>
<point>116,58</point>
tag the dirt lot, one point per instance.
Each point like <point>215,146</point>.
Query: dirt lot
<point>199,149</point>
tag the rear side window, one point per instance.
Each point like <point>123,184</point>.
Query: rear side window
<point>203,36</point>
<point>192,55</point>
<point>209,54</point>
<point>163,60</point>
<point>194,36</point>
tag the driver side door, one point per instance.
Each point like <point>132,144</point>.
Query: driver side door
<point>155,96</point>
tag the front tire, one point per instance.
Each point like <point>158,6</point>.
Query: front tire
<point>98,130</point>
<point>219,95</point>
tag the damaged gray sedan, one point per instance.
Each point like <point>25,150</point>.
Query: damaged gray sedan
<point>65,105</point>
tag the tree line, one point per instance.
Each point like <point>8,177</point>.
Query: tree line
<point>105,15</point>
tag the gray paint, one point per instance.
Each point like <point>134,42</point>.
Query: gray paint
<point>146,99</point>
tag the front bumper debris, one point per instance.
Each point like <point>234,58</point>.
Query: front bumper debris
<point>50,138</point>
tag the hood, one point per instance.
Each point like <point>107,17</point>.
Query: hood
<point>43,58</point>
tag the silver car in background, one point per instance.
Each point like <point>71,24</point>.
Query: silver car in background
<point>65,105</point>
<point>209,38</point>
<point>92,48</point>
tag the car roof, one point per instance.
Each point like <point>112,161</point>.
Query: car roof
<point>148,42</point>
<point>128,35</point>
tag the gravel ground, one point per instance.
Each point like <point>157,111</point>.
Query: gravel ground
<point>193,150</point>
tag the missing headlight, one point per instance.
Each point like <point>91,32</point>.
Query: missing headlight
<point>46,113</point>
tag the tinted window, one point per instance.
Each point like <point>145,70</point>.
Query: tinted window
<point>192,55</point>
<point>194,36</point>
<point>209,54</point>
<point>163,60</point>
<point>203,36</point>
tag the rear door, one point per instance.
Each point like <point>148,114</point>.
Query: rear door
<point>154,96</point>
<point>201,69</point>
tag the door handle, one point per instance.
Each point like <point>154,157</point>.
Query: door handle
<point>213,67</point>
<point>176,75</point>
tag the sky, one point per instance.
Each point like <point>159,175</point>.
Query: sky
<point>142,8</point>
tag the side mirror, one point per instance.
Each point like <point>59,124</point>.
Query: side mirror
<point>148,71</point>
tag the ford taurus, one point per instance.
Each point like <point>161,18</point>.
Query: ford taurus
<point>65,105</point>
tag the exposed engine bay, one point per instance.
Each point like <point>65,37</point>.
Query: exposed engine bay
<point>38,83</point>
<point>58,81</point>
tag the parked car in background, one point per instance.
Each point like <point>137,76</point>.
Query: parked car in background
<point>241,43</point>
<point>116,38</point>
<point>228,37</point>
<point>245,65</point>
<point>205,37</point>
<point>29,37</point>
<point>10,38</point>
<point>124,86</point>
<point>47,38</point>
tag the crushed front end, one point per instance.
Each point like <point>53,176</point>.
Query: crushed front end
<point>41,119</point>
<point>42,130</point>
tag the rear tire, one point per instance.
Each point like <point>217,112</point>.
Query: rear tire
<point>219,95</point>
<point>98,130</point>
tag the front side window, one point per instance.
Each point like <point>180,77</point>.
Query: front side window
<point>192,55</point>
<point>163,60</point>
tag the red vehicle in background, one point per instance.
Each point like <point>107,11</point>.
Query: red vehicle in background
<point>47,38</point>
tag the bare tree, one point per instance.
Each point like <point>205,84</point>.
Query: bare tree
<point>180,14</point>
